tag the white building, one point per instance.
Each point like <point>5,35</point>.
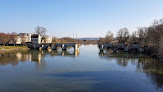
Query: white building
<point>33,38</point>
<point>48,39</point>
<point>23,37</point>
<point>18,40</point>
<point>26,37</point>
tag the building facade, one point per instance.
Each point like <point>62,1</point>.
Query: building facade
<point>35,39</point>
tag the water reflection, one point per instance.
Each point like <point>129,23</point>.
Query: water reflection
<point>91,71</point>
<point>33,56</point>
<point>143,63</point>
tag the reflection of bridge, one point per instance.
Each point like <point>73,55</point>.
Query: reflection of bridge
<point>63,46</point>
<point>65,53</point>
<point>39,55</point>
<point>32,55</point>
<point>127,48</point>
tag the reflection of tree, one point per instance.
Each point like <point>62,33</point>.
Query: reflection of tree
<point>122,62</point>
<point>157,79</point>
<point>152,68</point>
<point>12,58</point>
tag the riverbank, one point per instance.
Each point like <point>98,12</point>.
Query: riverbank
<point>12,48</point>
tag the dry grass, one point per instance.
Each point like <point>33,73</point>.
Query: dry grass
<point>12,47</point>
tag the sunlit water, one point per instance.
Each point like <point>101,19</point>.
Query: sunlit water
<point>86,70</point>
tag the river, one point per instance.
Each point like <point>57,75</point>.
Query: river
<point>86,70</point>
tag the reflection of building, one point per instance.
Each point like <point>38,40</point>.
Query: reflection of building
<point>32,55</point>
<point>23,56</point>
<point>18,55</point>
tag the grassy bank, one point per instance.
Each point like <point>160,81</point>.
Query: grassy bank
<point>13,48</point>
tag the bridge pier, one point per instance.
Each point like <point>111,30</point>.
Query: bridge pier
<point>76,47</point>
<point>101,47</point>
<point>114,50</point>
<point>63,47</point>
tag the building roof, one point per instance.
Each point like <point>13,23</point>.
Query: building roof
<point>34,36</point>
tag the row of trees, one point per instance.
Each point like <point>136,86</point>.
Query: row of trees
<point>8,37</point>
<point>151,37</point>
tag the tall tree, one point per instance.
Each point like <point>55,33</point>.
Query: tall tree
<point>109,37</point>
<point>4,38</point>
<point>123,35</point>
<point>142,35</point>
<point>42,31</point>
<point>13,37</point>
<point>23,39</point>
<point>134,37</point>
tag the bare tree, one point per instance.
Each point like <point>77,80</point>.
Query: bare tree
<point>4,38</point>
<point>109,37</point>
<point>123,35</point>
<point>13,37</point>
<point>142,35</point>
<point>42,31</point>
<point>101,41</point>
<point>23,39</point>
<point>134,37</point>
<point>43,39</point>
<point>160,51</point>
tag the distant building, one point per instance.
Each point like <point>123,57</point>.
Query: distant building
<point>18,40</point>
<point>47,39</point>
<point>35,39</point>
<point>25,37</point>
<point>22,37</point>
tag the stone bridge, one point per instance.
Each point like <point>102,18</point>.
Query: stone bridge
<point>63,46</point>
<point>126,48</point>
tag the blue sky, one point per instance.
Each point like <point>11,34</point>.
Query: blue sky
<point>87,18</point>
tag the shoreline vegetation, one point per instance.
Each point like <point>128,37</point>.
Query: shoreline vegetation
<point>150,37</point>
<point>13,48</point>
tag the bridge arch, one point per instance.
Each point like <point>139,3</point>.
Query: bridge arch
<point>68,46</point>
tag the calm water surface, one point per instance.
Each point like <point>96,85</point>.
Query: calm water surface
<point>85,71</point>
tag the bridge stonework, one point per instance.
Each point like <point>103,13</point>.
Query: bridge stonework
<point>63,46</point>
<point>126,48</point>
